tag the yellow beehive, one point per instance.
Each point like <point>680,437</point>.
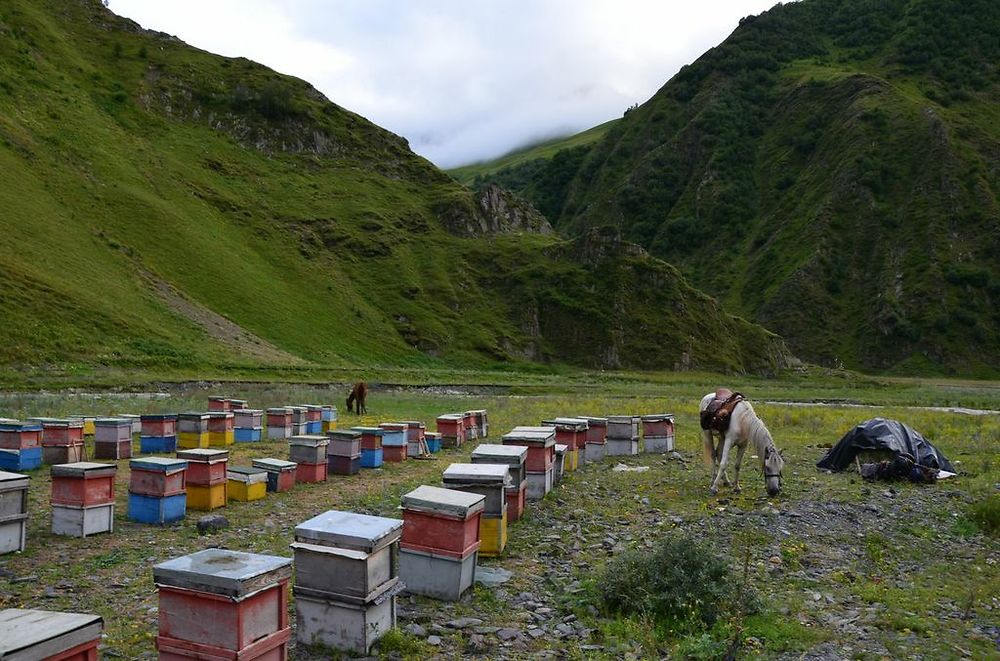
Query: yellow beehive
<point>492,534</point>
<point>329,425</point>
<point>572,460</point>
<point>206,498</point>
<point>247,484</point>
<point>220,439</point>
<point>189,440</point>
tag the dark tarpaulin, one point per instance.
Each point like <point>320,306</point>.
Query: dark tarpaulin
<point>883,434</point>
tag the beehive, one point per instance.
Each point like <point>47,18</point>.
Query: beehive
<point>540,461</point>
<point>451,427</point>
<point>329,418</point>
<point>571,432</point>
<point>314,418</point>
<point>440,541</point>
<point>279,423</point>
<point>206,498</point>
<point>218,403</point>
<point>514,456</point>
<point>469,426</point>
<point>112,438</point>
<point>61,432</point>
<point>493,534</point>
<point>13,511</point>
<point>658,432</point>
<point>248,425</point>
<point>20,460</point>
<point>192,430</point>
<point>136,421</point>
<point>235,404</point>
<point>280,473</point>
<point>83,484</point>
<point>220,428</point>
<point>623,427</point>
<point>559,468</point>
<point>158,433</point>
<point>344,443</point>
<point>28,635</point>
<point>246,484</point>
<point>88,423</point>
<point>371,437</point>
<point>308,449</point>
<point>221,604</point>
<point>21,435</point>
<point>157,476</point>
<point>433,440</point>
<point>206,466</point>
<point>63,454</point>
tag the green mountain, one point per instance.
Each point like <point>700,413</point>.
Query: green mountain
<point>829,171</point>
<point>172,211</point>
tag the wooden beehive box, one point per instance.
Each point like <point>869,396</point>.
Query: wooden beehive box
<point>221,604</point>
<point>308,449</point>
<point>83,484</point>
<point>344,553</point>
<point>444,521</point>
<point>344,443</point>
<point>206,466</point>
<point>61,432</point>
<point>13,511</point>
<point>157,476</point>
<point>514,456</point>
<point>20,435</point>
<point>30,635</point>
<point>218,403</point>
<point>488,480</point>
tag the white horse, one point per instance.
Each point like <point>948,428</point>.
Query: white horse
<point>744,427</point>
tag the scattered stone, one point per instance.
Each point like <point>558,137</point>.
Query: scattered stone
<point>493,576</point>
<point>536,633</point>
<point>30,578</point>
<point>508,634</point>
<point>464,623</point>
<point>486,630</point>
<point>416,630</point>
<point>434,640</point>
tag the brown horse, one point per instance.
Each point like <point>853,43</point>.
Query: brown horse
<point>359,393</point>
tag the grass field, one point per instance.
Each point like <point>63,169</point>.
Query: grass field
<point>845,568</point>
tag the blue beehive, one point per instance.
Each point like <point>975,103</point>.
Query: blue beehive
<point>433,440</point>
<point>150,509</point>
<point>157,444</point>
<point>371,458</point>
<point>20,460</point>
<point>246,434</point>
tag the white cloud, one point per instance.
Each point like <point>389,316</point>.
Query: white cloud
<point>462,80</point>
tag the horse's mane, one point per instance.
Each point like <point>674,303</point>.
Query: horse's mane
<point>754,428</point>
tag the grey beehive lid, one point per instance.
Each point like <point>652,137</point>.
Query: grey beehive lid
<point>83,469</point>
<point>349,530</point>
<point>220,571</point>
<point>568,424</point>
<point>246,474</point>
<point>344,434</point>
<point>309,440</point>
<point>561,448</point>
<point>12,478</point>
<point>270,464</point>
<point>545,436</point>
<point>159,464</point>
<point>203,455</point>
<point>515,455</point>
<point>477,474</point>
<point>376,431</point>
<point>444,501</point>
<point>24,633</point>
<point>279,410</point>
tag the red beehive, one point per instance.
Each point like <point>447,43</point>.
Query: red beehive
<point>516,501</point>
<point>158,476</point>
<point>206,467</point>
<point>541,444</point>
<point>219,404</point>
<point>394,453</point>
<point>415,430</point>
<point>20,435</point>
<point>220,604</point>
<point>62,432</point>
<point>443,521</point>
<point>470,426</point>
<point>49,635</point>
<point>308,473</point>
<point>159,425</point>
<point>597,429</point>
<point>279,417</point>
<point>452,426</point>
<point>658,425</point>
<point>83,484</point>
<point>220,421</point>
<point>314,412</point>
<point>371,437</point>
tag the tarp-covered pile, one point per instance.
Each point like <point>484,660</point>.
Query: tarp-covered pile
<point>884,434</point>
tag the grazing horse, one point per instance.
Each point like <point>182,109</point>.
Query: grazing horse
<point>359,393</point>
<point>733,419</point>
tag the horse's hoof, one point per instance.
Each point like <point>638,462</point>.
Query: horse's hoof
<point>737,489</point>
<point>712,491</point>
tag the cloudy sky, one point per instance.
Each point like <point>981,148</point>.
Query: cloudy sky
<point>462,80</point>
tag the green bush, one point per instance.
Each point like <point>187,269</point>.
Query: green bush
<point>986,513</point>
<point>681,582</point>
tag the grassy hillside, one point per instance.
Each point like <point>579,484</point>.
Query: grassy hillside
<point>475,173</point>
<point>830,171</point>
<point>169,210</point>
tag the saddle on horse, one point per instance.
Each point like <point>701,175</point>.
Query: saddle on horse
<point>719,412</point>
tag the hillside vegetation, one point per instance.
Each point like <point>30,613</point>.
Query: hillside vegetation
<point>830,171</point>
<point>169,210</point>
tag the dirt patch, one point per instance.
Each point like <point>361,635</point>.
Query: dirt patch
<point>218,327</point>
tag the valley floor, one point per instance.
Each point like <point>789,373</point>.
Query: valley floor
<point>846,568</point>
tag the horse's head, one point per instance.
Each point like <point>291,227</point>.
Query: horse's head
<point>774,463</point>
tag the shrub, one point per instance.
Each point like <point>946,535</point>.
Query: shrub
<point>986,513</point>
<point>681,582</point>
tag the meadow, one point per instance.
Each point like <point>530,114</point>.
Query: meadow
<point>843,567</point>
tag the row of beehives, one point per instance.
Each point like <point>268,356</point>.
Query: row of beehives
<point>25,445</point>
<point>162,489</point>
